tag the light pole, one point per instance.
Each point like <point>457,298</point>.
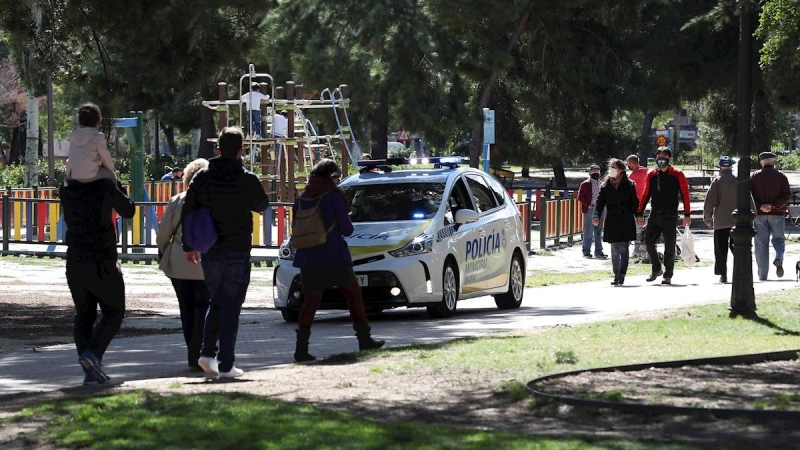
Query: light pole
<point>743,302</point>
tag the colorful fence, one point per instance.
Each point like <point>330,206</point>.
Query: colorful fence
<point>29,220</point>
<point>561,218</point>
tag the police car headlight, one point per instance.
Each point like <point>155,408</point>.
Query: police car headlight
<point>422,244</point>
<point>286,251</point>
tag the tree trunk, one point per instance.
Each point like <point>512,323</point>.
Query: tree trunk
<point>32,142</point>
<point>645,146</point>
<point>761,128</point>
<point>559,174</point>
<point>380,132</point>
<point>169,134</point>
<point>476,146</point>
<point>196,134</point>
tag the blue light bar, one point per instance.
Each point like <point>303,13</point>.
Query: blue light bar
<point>447,161</point>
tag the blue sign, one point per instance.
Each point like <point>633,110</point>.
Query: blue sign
<point>488,126</point>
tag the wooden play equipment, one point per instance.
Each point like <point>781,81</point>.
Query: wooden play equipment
<point>280,155</point>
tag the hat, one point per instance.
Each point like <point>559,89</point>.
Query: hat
<point>725,161</point>
<point>594,166</point>
<point>766,155</point>
<point>665,150</point>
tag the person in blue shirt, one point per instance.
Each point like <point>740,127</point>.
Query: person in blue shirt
<point>175,174</point>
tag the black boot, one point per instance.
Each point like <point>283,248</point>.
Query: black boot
<point>621,279</point>
<point>301,349</point>
<point>365,341</point>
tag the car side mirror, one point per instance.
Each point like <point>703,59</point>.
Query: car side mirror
<point>466,216</point>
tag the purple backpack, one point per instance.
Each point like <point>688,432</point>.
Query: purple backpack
<point>199,231</point>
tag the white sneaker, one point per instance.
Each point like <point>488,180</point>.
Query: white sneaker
<point>209,365</point>
<point>235,372</point>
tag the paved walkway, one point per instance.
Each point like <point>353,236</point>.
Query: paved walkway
<point>266,341</point>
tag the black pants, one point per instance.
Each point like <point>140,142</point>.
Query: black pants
<point>722,242</point>
<point>657,225</point>
<point>94,284</point>
<point>193,301</point>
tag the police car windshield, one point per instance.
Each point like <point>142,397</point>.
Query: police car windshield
<point>392,202</point>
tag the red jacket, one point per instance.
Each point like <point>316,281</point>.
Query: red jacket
<point>664,189</point>
<point>585,195</point>
<point>639,176</point>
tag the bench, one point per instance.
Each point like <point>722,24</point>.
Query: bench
<point>505,176</point>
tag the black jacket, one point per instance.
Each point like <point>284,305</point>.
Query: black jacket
<point>621,203</point>
<point>231,194</point>
<point>91,234</point>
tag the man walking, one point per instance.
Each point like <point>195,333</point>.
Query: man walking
<point>718,214</point>
<point>93,274</point>
<point>770,189</point>
<point>664,185</point>
<point>587,196</point>
<point>639,176</point>
<point>231,195</point>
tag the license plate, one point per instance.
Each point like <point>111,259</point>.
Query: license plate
<point>363,280</point>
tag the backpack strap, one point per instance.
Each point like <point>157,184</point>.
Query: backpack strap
<point>316,205</point>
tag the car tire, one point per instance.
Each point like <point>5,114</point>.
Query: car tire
<point>290,315</point>
<point>512,299</point>
<point>447,307</point>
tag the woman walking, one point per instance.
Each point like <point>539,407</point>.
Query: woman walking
<point>187,278</point>
<point>618,195</point>
<point>328,265</point>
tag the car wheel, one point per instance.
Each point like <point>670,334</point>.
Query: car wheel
<point>290,315</point>
<point>516,286</point>
<point>447,307</point>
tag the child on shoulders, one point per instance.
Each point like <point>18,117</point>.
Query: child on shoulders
<point>89,159</point>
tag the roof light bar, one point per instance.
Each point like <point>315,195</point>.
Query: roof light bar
<point>442,160</point>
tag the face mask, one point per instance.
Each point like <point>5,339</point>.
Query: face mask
<point>613,173</point>
<point>595,176</point>
<point>662,162</point>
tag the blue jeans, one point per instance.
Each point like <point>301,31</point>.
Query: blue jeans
<point>592,233</point>
<point>255,121</point>
<point>619,257</point>
<point>227,277</point>
<point>766,225</point>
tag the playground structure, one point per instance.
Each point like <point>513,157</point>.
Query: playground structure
<point>302,147</point>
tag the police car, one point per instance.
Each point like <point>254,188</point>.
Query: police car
<point>423,238</point>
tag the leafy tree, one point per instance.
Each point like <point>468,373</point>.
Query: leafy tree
<point>779,29</point>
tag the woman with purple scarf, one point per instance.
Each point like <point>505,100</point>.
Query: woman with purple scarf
<point>328,265</point>
<point>618,195</point>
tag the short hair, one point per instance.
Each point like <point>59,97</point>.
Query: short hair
<point>326,168</point>
<point>176,169</point>
<point>192,168</point>
<point>230,142</point>
<point>255,87</point>
<point>664,150</point>
<point>366,157</point>
<point>284,113</point>
<point>632,158</point>
<point>89,114</point>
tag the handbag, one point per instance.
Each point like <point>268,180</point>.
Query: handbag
<point>199,232</point>
<point>687,247</point>
<point>165,262</point>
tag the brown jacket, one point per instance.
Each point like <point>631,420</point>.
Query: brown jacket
<point>770,186</point>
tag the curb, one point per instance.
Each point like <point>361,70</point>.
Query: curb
<point>723,413</point>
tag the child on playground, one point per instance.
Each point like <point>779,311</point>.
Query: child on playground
<point>89,159</point>
<point>253,100</point>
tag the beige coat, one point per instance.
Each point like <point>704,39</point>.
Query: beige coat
<point>87,153</point>
<point>169,238</point>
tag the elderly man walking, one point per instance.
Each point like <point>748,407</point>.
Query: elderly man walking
<point>770,189</point>
<point>587,197</point>
<point>718,210</point>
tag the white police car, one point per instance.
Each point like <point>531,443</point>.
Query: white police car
<point>423,237</point>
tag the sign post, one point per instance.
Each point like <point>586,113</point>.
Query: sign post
<point>488,136</point>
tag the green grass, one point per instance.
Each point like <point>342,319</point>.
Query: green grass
<point>542,278</point>
<point>144,420</point>
<point>691,332</point>
<point>226,420</point>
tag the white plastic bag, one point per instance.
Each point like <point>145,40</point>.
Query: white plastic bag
<point>687,247</point>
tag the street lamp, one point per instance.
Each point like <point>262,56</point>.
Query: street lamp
<point>743,302</point>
